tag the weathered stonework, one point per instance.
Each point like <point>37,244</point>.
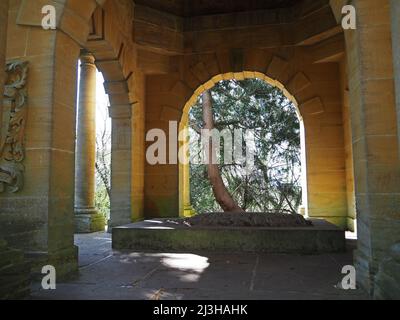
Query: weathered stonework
<point>374,137</point>
<point>87,218</point>
<point>14,269</point>
<point>14,273</point>
<point>164,235</point>
<point>388,277</point>
<point>156,60</point>
<point>12,135</point>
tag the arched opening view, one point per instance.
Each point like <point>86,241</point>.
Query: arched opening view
<point>93,142</point>
<point>260,158</point>
<point>103,150</point>
<point>102,156</point>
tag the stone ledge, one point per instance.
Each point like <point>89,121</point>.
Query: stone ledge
<point>158,234</point>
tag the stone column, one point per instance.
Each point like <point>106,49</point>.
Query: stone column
<point>39,218</point>
<point>3,40</point>
<point>87,218</point>
<point>374,137</point>
<point>387,279</point>
<point>188,210</point>
<point>3,43</point>
<point>395,11</point>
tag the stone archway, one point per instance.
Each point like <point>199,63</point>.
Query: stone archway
<point>351,116</point>
<point>185,207</point>
<point>316,88</point>
<point>124,84</point>
<point>39,219</point>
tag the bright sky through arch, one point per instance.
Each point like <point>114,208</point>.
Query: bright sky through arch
<point>103,121</point>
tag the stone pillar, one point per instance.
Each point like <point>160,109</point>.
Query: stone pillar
<point>387,279</point>
<point>39,218</point>
<point>374,137</point>
<point>14,275</point>
<point>87,218</point>
<point>188,210</point>
<point>395,11</point>
<point>3,41</point>
<point>121,165</point>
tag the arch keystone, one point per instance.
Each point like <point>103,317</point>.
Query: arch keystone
<point>255,60</point>
<point>223,59</point>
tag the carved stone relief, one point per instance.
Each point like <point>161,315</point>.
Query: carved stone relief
<point>12,150</point>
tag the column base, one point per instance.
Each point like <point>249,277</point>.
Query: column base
<point>89,221</point>
<point>188,211</point>
<point>14,273</point>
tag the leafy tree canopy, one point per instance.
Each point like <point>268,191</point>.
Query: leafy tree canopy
<point>274,182</point>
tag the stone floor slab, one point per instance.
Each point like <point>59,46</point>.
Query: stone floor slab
<point>107,274</point>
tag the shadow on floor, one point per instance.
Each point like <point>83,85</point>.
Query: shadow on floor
<point>107,274</point>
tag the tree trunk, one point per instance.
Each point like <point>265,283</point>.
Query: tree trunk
<point>221,193</point>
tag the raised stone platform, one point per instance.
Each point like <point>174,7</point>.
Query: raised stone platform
<point>162,235</point>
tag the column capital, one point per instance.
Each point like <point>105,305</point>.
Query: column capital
<point>87,58</point>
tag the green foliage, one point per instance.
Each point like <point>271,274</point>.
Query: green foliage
<point>274,183</point>
<point>102,200</point>
<point>103,170</point>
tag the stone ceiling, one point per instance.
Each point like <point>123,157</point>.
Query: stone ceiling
<point>177,27</point>
<point>193,8</point>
